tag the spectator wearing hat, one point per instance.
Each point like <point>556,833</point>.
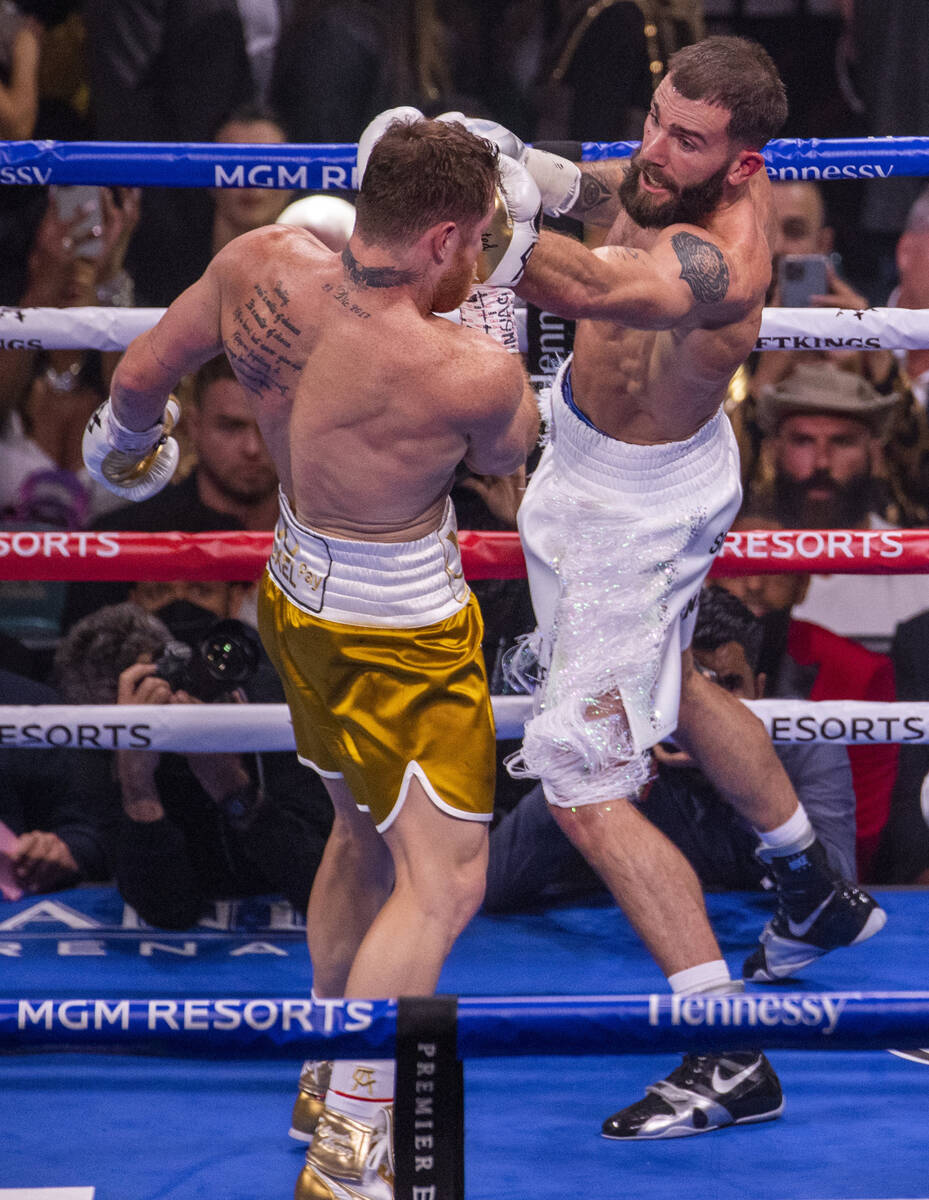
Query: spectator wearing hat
<point>825,431</point>
<point>801,228</point>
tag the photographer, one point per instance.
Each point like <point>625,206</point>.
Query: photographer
<point>194,827</point>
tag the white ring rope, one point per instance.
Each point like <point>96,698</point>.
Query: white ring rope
<point>73,328</point>
<point>204,728</point>
<point>781,328</point>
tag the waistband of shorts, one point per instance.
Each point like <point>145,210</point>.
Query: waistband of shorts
<point>387,584</point>
<point>584,452</point>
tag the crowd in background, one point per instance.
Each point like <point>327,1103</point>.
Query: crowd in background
<point>829,440</point>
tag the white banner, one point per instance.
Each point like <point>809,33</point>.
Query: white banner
<point>781,328</point>
<point>200,728</point>
<point>185,728</point>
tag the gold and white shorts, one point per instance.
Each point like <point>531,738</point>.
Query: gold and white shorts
<point>378,646</point>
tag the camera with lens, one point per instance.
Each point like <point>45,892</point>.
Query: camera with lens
<point>224,659</point>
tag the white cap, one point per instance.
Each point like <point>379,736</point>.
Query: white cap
<point>330,217</point>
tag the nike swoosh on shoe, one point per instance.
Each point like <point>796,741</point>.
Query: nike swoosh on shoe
<point>800,929</point>
<point>722,1084</point>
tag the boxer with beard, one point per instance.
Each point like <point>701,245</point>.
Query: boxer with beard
<point>620,523</point>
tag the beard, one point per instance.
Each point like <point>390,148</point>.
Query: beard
<point>686,205</point>
<point>845,507</point>
<point>455,286</point>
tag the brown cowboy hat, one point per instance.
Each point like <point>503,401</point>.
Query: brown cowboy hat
<point>820,387</point>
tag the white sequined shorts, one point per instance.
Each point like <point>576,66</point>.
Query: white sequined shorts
<point>618,540</point>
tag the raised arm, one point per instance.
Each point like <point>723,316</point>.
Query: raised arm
<point>685,274</point>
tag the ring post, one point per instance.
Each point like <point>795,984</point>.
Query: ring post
<point>428,1101</point>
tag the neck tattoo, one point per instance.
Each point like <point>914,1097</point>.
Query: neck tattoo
<point>375,277</point>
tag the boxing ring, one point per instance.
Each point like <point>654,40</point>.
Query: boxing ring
<point>155,1064</point>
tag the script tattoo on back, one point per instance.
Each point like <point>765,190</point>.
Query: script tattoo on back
<point>264,348</point>
<point>703,267</point>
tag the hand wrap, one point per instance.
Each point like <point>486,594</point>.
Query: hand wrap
<point>491,310</point>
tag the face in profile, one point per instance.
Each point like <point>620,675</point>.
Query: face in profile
<point>457,283</point>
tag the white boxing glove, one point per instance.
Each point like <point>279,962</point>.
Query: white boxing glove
<point>131,464</point>
<point>558,179</point>
<point>514,228</point>
<point>374,130</point>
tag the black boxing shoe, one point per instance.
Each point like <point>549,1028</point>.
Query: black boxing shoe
<point>817,912</point>
<point>706,1092</point>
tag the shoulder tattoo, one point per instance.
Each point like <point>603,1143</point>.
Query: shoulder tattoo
<point>703,267</point>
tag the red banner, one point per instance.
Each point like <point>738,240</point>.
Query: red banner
<point>51,554</point>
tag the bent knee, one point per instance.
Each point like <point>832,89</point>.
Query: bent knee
<point>583,753</point>
<point>447,889</point>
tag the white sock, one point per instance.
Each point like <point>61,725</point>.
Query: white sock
<point>705,977</point>
<point>358,1088</point>
<point>790,838</point>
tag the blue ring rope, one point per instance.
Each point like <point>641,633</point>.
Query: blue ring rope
<point>315,166</point>
<point>488,1027</point>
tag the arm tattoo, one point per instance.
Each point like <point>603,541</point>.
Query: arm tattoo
<point>703,267</point>
<point>375,277</point>
<point>594,193</point>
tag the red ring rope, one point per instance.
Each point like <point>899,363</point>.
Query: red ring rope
<point>55,555</point>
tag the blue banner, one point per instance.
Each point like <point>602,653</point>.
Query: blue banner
<point>316,166</point>
<point>818,158</point>
<point>304,167</point>
<point>489,1027</point>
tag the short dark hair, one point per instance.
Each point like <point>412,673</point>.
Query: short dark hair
<point>252,112</point>
<point>423,172</point>
<point>723,618</point>
<point>738,74</point>
<point>216,368</point>
<point>91,657</point>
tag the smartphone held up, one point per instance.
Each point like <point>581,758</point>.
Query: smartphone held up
<point>81,204</point>
<point>801,276</point>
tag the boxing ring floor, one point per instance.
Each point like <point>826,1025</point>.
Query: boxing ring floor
<point>137,1127</point>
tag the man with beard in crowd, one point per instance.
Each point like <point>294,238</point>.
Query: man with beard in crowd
<point>620,523</point>
<point>826,428</point>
